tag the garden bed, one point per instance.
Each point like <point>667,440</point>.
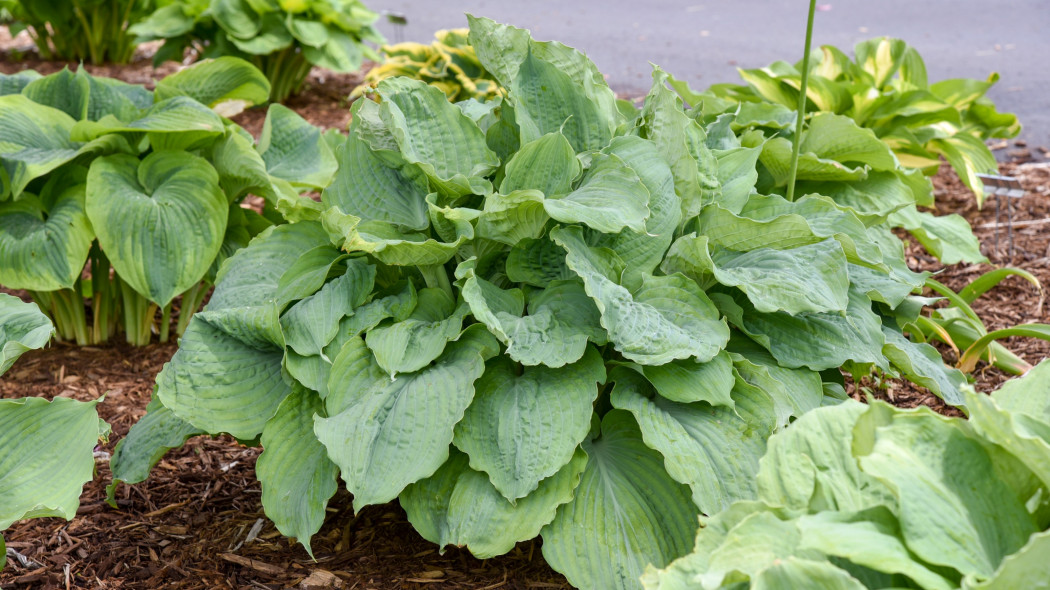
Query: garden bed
<point>198,521</point>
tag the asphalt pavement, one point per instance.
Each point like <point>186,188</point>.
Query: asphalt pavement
<point>705,42</point>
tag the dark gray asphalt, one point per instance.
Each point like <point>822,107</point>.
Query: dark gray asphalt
<point>705,41</point>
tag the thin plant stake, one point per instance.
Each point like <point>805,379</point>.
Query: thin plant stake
<point>801,102</point>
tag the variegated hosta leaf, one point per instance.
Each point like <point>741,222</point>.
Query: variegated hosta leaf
<point>227,85</point>
<point>626,514</point>
<point>667,318</point>
<point>36,140</point>
<point>44,249</point>
<point>23,327</point>
<point>807,278</point>
<point>294,150</point>
<point>47,456</point>
<point>459,506</point>
<point>435,135</point>
<point>160,221</point>
<point>384,433</point>
<point>296,475</point>
<point>715,451</point>
<point>411,344</point>
<point>609,198</point>
<point>522,428</point>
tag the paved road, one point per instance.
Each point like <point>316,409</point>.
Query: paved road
<point>704,41</point>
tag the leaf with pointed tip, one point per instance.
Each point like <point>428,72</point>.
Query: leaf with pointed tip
<point>384,433</point>
<point>627,513</point>
<point>547,164</point>
<point>36,140</point>
<point>294,150</point>
<point>64,90</point>
<point>794,391</point>
<point>948,237</point>
<point>923,364</point>
<point>1023,436</point>
<point>227,85</point>
<point>538,263</point>
<point>1027,568</point>
<point>610,197</point>
<point>686,381</point>
<point>23,327</point>
<point>411,344</point>
<point>313,322</point>
<point>523,428</point>
<point>513,217</point>
<point>458,506</point>
<point>44,249</point>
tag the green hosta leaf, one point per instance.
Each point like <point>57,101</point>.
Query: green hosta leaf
<point>737,175</point>
<point>273,36</point>
<point>977,519</point>
<point>44,249</point>
<point>36,140</point>
<point>626,513</point>
<point>667,318</point>
<point>796,573</point>
<point>839,138</point>
<point>296,475</point>
<point>815,340</point>
<point>538,263</point>
<point>149,439</point>
<point>547,164</point>
<point>236,17</point>
<point>161,222</point>
<point>923,364</point>
<point>312,323</point>
<point>458,506</point>
<point>308,273</point>
<point>513,217</point>
<point>384,433</point>
<point>228,85</point>
<point>241,169</point>
<point>294,150</point>
<point>340,53</point>
<point>390,246</point>
<point>808,278</point>
<point>47,456</point>
<point>411,344</point>
<point>14,83</point>
<point>794,391</point>
<point>1024,437</point>
<point>434,134</point>
<point>969,157</point>
<point>1029,395</point>
<point>1028,568</point>
<point>23,327</point>
<point>715,451</point>
<point>523,428</point>
<point>64,90</point>
<point>688,381</point>
<point>175,123</point>
<point>367,187</point>
<point>878,195</point>
<point>776,157</point>
<point>948,237</point>
<point>218,383</point>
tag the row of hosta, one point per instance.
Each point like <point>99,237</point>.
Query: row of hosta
<point>283,38</point>
<point>78,30</point>
<point>885,89</point>
<point>855,497</point>
<point>45,447</point>
<point>96,173</point>
<point>544,315</point>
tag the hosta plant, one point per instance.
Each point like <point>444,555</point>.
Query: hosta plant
<point>45,447</point>
<point>531,317</point>
<point>448,63</point>
<point>283,38</point>
<point>79,30</point>
<point>99,175</point>
<point>885,88</point>
<point>854,497</point>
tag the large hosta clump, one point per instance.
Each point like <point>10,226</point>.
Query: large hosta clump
<point>549,315</point>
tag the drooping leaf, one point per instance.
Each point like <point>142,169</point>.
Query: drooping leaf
<point>45,249</point>
<point>23,327</point>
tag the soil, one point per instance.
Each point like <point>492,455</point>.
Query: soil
<point>197,523</point>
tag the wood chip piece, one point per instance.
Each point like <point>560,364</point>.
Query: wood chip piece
<point>319,579</point>
<point>259,566</point>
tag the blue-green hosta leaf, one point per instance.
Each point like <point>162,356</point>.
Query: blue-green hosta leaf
<point>459,506</point>
<point>1028,395</point>
<point>547,164</point>
<point>815,340</point>
<point>340,52</point>
<point>890,289</point>
<point>435,135</point>
<point>308,273</point>
<point>523,428</point>
<point>810,465</point>
<point>114,97</point>
<point>44,250</point>
<point>687,381</point>
<point>923,364</point>
<point>839,138</point>
<point>538,263</point>
<point>1028,568</point>
<point>389,245</point>
<point>793,391</point>
<point>737,175</point>
<point>627,513</point>
<point>149,439</point>
<point>313,322</point>
<point>47,456</point>
<point>36,140</point>
<point>976,520</point>
<point>874,197</point>
<point>1023,436</point>
<point>23,327</point>
<point>794,572</point>
<point>295,151</point>
<point>236,17</point>
<point>14,83</point>
<point>812,277</point>
<point>161,222</point>
<point>296,475</point>
<point>715,451</point>
<point>175,123</point>
<point>64,90</point>
<point>948,237</point>
<point>366,186</point>
<point>667,318</point>
<point>227,85</point>
<point>411,344</point>
<point>218,383</point>
<point>513,217</point>
<point>642,251</point>
<point>776,157</point>
<point>384,433</point>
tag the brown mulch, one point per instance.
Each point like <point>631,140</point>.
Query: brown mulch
<point>194,523</point>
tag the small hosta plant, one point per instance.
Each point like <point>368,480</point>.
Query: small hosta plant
<point>95,31</point>
<point>283,38</point>
<point>885,88</point>
<point>858,497</point>
<point>542,315</point>
<point>45,447</point>
<point>449,63</point>
<point>126,199</point>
